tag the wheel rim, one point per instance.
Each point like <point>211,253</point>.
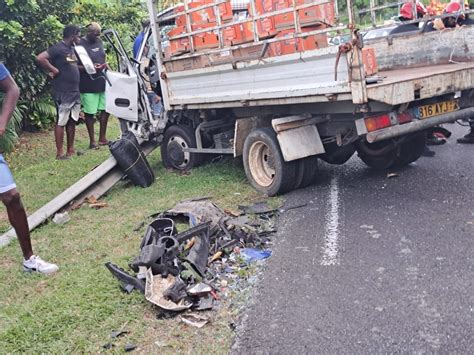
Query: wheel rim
<point>177,156</point>
<point>262,164</point>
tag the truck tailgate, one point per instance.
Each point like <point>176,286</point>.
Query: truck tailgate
<point>406,85</point>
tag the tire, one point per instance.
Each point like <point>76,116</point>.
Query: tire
<point>307,172</point>
<point>378,155</point>
<point>264,165</point>
<point>338,155</point>
<point>411,150</point>
<point>175,138</point>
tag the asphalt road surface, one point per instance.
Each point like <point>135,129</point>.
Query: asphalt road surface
<point>372,264</point>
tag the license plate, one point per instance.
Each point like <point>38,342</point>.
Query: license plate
<point>437,109</point>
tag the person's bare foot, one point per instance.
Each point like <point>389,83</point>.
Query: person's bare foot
<point>93,146</point>
<point>106,142</point>
<point>62,157</point>
<point>70,153</point>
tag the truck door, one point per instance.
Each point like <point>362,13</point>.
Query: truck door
<point>126,90</point>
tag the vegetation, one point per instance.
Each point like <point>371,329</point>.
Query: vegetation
<point>75,310</point>
<point>37,24</point>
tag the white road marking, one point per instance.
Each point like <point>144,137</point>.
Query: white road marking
<point>330,250</point>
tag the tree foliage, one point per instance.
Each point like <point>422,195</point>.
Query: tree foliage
<point>28,27</point>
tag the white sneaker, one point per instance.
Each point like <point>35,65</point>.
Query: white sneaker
<point>36,264</point>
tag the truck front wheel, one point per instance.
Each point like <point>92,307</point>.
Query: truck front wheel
<point>175,139</point>
<point>264,165</point>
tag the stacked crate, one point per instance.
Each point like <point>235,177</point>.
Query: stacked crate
<point>199,20</point>
<point>312,18</point>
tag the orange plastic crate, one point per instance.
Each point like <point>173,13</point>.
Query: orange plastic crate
<point>370,61</point>
<point>293,45</point>
<point>205,15</point>
<point>205,40</point>
<point>237,34</point>
<point>232,35</point>
<point>323,13</point>
<point>179,30</point>
<point>266,27</point>
<point>179,46</point>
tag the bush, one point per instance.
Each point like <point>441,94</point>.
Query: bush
<point>37,25</point>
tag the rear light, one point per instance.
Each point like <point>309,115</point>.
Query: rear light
<point>378,122</point>
<point>404,117</point>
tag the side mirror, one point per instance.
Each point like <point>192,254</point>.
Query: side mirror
<point>85,59</point>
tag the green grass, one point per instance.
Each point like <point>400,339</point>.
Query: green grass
<point>76,309</point>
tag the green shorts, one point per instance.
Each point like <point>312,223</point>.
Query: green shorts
<point>93,102</point>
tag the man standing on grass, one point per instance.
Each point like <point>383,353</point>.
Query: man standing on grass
<point>60,62</point>
<point>92,88</point>
<point>8,192</point>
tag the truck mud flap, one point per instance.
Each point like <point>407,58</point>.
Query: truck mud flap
<point>298,137</point>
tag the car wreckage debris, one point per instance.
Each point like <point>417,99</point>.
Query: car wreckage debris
<point>188,270</point>
<point>125,278</point>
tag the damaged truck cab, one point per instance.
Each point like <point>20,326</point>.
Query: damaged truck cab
<point>263,82</point>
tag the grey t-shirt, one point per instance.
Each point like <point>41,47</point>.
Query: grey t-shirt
<point>64,58</point>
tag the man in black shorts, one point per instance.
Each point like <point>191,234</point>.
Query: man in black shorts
<point>60,62</point>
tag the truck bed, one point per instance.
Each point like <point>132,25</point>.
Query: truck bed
<point>289,79</point>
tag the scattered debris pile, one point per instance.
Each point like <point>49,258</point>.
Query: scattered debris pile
<point>180,271</point>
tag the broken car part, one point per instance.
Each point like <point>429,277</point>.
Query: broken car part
<point>199,252</point>
<point>154,292</point>
<point>200,289</point>
<point>177,291</point>
<point>124,277</point>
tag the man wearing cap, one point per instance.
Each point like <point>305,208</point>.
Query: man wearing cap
<point>92,87</point>
<point>9,195</point>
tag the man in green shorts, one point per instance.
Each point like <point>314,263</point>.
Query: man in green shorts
<point>92,87</point>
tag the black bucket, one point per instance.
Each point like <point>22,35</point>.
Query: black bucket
<point>131,160</point>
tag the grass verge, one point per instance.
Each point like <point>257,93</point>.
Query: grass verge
<point>77,309</point>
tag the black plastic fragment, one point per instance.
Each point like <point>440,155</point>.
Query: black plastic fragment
<point>125,277</point>
<point>177,291</point>
<point>129,347</point>
<point>200,252</point>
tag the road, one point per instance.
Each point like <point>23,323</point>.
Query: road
<point>372,264</point>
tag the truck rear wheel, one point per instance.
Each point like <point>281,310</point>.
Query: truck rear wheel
<point>307,171</point>
<point>264,165</point>
<point>411,150</point>
<point>175,139</point>
<point>379,155</point>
